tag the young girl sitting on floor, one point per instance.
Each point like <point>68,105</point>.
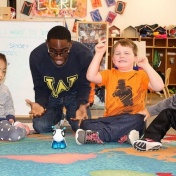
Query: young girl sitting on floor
<point>10,130</point>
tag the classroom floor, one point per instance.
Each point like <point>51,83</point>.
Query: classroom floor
<point>152,98</point>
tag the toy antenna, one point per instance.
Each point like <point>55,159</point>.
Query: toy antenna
<point>54,127</point>
<point>64,128</point>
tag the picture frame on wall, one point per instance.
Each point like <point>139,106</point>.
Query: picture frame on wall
<point>90,34</point>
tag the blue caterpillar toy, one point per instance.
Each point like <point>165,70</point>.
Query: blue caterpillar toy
<point>59,141</point>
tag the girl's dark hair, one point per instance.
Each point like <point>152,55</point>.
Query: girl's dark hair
<point>3,57</point>
<point>59,32</point>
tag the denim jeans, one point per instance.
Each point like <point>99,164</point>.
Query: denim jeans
<point>54,113</point>
<point>111,129</point>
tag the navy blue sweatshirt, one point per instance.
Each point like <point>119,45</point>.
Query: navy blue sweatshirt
<point>50,79</point>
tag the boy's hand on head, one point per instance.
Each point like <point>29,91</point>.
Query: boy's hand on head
<point>36,109</point>
<point>142,61</point>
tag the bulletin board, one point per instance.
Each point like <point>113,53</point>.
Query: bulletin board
<point>90,34</point>
<point>17,40</point>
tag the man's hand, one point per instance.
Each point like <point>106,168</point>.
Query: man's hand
<point>81,114</point>
<point>145,113</point>
<point>36,109</point>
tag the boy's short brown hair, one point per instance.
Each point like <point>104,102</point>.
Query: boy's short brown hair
<point>125,42</point>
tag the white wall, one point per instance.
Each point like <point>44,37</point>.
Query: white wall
<point>137,12</point>
<point>17,42</point>
<point>3,3</point>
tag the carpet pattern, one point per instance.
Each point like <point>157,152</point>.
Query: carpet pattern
<point>34,156</point>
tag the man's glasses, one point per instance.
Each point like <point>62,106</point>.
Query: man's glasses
<point>63,53</point>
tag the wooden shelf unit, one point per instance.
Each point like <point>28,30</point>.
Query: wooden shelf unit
<point>166,48</point>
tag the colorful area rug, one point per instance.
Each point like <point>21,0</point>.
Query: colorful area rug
<point>34,156</point>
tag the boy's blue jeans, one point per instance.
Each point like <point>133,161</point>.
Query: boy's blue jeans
<point>111,129</point>
<point>54,113</point>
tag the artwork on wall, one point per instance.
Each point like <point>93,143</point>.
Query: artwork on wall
<point>56,8</point>
<point>75,25</point>
<point>91,33</point>
<point>95,14</point>
<point>96,3</point>
<point>120,6</point>
<point>26,8</point>
<point>110,2</point>
<point>110,17</point>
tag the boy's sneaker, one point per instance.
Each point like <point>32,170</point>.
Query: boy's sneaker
<point>132,136</point>
<point>87,137</point>
<point>146,144</point>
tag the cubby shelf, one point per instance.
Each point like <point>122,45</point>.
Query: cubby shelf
<point>166,48</point>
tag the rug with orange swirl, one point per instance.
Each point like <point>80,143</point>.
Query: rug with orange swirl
<point>34,156</point>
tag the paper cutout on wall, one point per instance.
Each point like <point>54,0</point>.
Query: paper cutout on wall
<point>26,8</point>
<point>120,6</point>
<point>96,15</point>
<point>110,2</point>
<point>74,25</point>
<point>111,16</point>
<point>96,3</point>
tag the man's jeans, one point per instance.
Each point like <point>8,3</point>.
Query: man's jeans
<point>54,113</point>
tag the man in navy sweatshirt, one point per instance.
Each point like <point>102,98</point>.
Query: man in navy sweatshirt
<point>165,119</point>
<point>58,67</point>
